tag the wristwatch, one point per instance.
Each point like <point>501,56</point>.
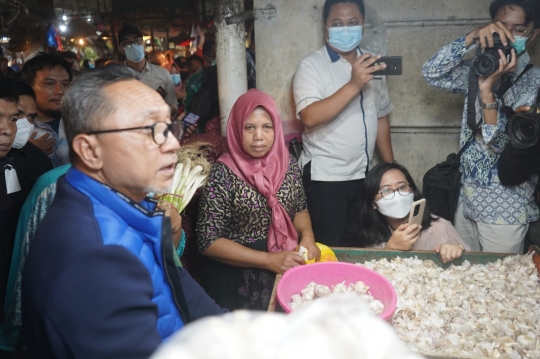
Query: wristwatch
<point>490,105</point>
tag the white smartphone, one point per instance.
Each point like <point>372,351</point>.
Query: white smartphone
<point>417,212</point>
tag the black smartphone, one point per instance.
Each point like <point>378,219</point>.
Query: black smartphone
<point>162,92</point>
<point>394,66</point>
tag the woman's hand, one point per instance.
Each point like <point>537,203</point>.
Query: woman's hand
<point>279,262</point>
<point>404,237</point>
<point>313,251</point>
<point>449,252</point>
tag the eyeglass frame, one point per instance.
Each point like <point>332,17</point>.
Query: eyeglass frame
<point>520,31</point>
<point>126,44</point>
<point>170,129</point>
<point>398,191</point>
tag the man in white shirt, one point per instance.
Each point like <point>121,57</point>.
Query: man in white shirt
<point>131,44</point>
<point>344,108</point>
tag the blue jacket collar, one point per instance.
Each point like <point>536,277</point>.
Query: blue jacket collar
<point>131,211</point>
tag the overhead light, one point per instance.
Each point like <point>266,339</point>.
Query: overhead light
<point>62,27</point>
<point>105,35</point>
<point>79,28</point>
<point>88,19</point>
<point>81,42</point>
<point>64,17</point>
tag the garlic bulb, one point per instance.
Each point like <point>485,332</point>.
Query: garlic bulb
<point>360,287</point>
<point>376,306</point>
<point>322,291</point>
<point>314,291</point>
<point>490,310</point>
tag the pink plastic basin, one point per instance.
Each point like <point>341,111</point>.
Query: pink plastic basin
<point>332,273</point>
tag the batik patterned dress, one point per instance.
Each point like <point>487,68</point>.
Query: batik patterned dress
<point>230,208</point>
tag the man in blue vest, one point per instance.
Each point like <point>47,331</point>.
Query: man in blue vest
<point>100,279</point>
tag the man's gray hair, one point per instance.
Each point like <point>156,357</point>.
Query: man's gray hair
<point>86,103</point>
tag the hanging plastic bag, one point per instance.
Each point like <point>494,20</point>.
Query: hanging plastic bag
<point>374,33</point>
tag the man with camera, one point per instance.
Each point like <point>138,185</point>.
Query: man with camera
<point>491,217</point>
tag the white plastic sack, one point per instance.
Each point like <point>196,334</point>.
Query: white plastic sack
<point>374,32</point>
<point>335,327</point>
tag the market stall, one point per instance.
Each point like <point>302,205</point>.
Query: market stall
<point>474,297</point>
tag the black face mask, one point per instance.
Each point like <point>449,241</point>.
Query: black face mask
<point>184,75</point>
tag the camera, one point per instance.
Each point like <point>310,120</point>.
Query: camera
<point>488,62</point>
<point>522,128</point>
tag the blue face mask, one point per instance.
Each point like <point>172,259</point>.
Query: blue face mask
<point>520,44</point>
<point>134,53</point>
<point>175,79</point>
<point>345,38</point>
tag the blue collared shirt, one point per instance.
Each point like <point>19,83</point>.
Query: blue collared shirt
<point>486,199</point>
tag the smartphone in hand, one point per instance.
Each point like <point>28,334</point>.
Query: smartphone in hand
<point>190,120</point>
<point>417,212</point>
<point>160,90</point>
<point>394,66</point>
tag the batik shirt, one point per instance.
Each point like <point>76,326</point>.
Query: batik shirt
<point>486,200</point>
<point>60,154</point>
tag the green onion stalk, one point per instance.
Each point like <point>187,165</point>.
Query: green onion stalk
<point>191,173</point>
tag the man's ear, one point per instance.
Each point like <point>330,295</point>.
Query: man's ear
<point>88,150</point>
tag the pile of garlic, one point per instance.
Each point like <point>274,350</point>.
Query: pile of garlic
<point>313,291</point>
<point>490,310</point>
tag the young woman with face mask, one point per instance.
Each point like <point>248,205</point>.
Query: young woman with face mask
<point>386,199</point>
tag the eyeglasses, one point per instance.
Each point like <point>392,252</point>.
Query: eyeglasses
<point>128,43</point>
<point>520,31</point>
<point>160,131</point>
<point>388,193</point>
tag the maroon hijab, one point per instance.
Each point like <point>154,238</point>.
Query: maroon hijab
<point>264,174</point>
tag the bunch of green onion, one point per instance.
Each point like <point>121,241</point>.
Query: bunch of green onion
<point>191,173</point>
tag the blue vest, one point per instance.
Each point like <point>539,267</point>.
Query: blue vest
<point>137,228</point>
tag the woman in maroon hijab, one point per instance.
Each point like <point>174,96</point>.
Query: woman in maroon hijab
<point>253,211</point>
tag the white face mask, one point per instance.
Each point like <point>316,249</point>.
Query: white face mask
<point>397,207</point>
<point>24,130</point>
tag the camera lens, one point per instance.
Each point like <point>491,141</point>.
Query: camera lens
<point>523,130</point>
<point>486,64</point>
<point>526,130</point>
